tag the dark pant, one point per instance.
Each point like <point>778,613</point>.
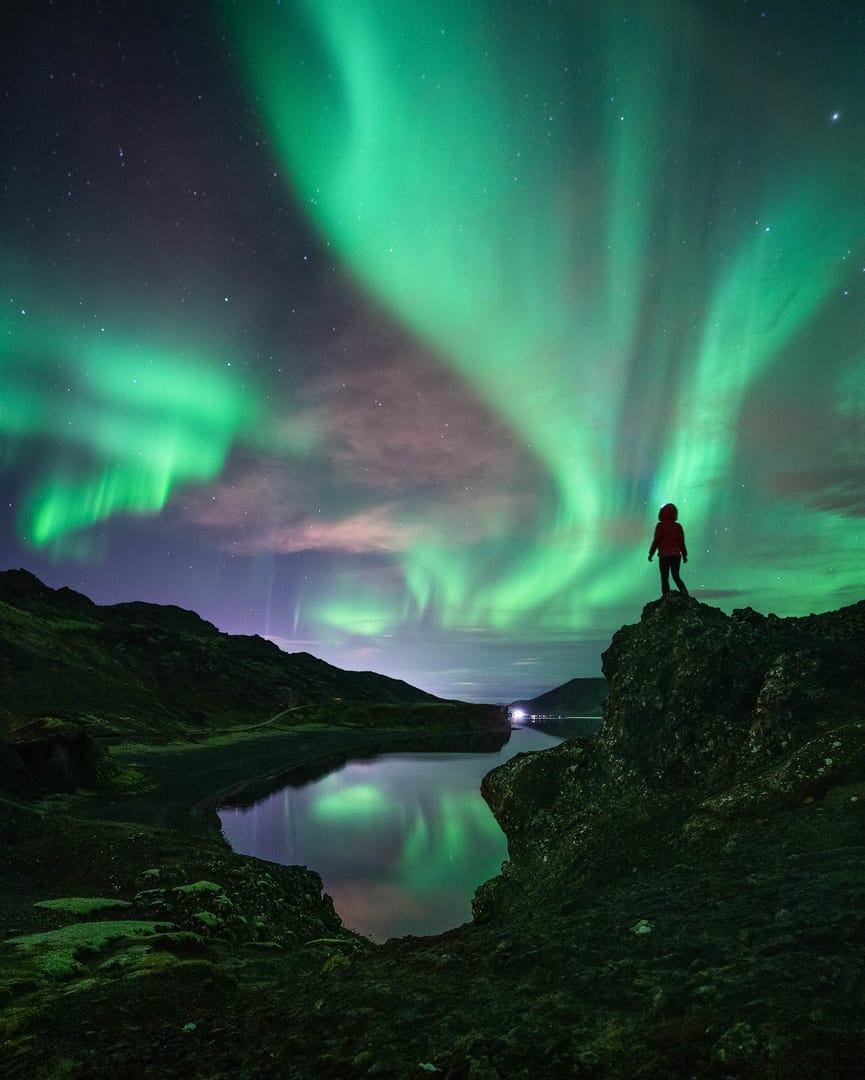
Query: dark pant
<point>669,564</point>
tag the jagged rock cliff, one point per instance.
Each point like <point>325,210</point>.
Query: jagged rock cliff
<point>697,697</point>
<point>708,717</point>
<point>720,819</point>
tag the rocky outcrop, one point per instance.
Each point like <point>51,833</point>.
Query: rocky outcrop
<point>700,698</point>
<point>712,838</point>
<point>52,755</point>
<point>708,718</point>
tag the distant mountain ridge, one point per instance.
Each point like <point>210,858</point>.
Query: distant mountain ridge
<point>134,667</point>
<point>578,697</point>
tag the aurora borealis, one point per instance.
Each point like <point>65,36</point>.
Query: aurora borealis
<point>384,329</point>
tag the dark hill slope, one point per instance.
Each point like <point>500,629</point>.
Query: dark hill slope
<point>578,697</point>
<point>138,667</point>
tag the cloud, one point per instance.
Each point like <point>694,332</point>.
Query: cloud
<point>368,532</point>
<point>259,491</point>
<point>402,451</point>
<point>264,508</point>
<point>361,657</point>
<point>399,422</point>
<point>290,645</point>
<point>835,489</point>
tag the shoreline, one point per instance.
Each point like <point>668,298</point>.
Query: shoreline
<point>187,782</point>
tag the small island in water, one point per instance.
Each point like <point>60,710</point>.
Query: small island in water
<point>684,893</point>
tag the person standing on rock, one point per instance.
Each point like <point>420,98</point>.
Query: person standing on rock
<point>669,542</point>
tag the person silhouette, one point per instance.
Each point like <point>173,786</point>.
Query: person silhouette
<point>669,542</point>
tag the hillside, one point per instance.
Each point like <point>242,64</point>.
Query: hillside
<point>578,697</point>
<point>140,668</point>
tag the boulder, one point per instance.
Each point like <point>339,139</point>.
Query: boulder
<point>56,756</point>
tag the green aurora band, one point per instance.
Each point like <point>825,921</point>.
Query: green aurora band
<point>139,418</point>
<point>509,197</point>
<point>551,200</point>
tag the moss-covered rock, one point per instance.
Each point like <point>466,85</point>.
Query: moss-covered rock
<point>59,953</point>
<point>82,905</point>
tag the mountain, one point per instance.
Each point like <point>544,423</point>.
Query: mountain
<point>146,668</point>
<point>579,697</point>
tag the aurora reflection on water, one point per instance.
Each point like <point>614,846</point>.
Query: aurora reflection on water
<point>401,841</point>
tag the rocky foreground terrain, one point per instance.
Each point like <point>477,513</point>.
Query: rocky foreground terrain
<point>685,896</point>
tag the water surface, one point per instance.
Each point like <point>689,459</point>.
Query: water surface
<point>401,841</point>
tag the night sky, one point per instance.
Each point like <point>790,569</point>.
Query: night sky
<point>383,329</point>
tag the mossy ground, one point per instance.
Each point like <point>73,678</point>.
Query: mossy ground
<point>752,966</point>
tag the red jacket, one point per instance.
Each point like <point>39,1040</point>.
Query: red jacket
<point>669,538</point>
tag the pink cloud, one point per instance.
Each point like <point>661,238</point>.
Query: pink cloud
<point>403,450</point>
<point>401,421</point>
<point>259,493</point>
<point>368,532</point>
<point>264,510</point>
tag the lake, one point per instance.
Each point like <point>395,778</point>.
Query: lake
<point>401,840</point>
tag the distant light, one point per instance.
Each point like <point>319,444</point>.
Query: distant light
<point>518,714</point>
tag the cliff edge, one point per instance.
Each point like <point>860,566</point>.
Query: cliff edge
<point>709,720</point>
<point>720,820</point>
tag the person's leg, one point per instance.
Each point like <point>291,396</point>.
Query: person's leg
<point>675,563</point>
<point>664,567</point>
